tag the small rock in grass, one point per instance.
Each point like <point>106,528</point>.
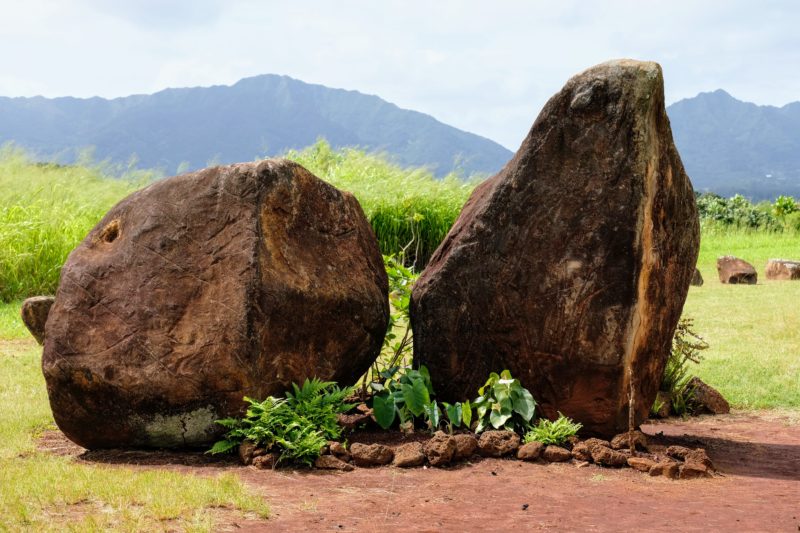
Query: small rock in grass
<point>668,469</point>
<point>371,454</point>
<point>699,456</point>
<point>581,452</point>
<point>338,449</point>
<point>621,441</point>
<point>556,454</point>
<point>466,444</point>
<point>266,461</point>
<point>329,462</point>
<point>604,456</point>
<point>678,452</point>
<point>440,449</point>
<point>530,451</point>
<point>693,471</point>
<point>408,455</point>
<point>498,443</point>
<point>642,464</point>
<point>706,398</point>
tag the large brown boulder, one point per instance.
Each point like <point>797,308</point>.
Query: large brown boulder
<point>34,313</point>
<point>783,269</point>
<point>571,266</point>
<point>204,288</point>
<point>735,271</point>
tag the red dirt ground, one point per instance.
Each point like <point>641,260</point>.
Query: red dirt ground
<point>758,455</point>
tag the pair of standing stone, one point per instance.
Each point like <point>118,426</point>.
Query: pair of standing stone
<point>570,268</point>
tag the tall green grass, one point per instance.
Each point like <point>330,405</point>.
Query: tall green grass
<point>404,206</point>
<point>45,210</point>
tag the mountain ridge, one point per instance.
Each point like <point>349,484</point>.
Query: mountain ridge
<point>261,115</point>
<point>728,146</point>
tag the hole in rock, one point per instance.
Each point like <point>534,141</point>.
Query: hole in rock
<point>110,232</point>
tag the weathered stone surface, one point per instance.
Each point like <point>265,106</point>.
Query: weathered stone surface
<point>266,461</point>
<point>353,420</point>
<point>571,266</point>
<point>736,271</point>
<point>371,454</point>
<point>246,452</point>
<point>592,443</point>
<point>330,462</point>
<point>665,468</point>
<point>678,452</point>
<point>581,452</point>
<point>782,269</point>
<point>608,457</point>
<point>622,442</point>
<point>707,399</point>
<point>530,451</point>
<point>693,471</point>
<point>408,455</point>
<point>203,288</point>
<point>440,449</point>
<point>466,445</point>
<point>34,313</point>
<point>699,456</point>
<point>339,450</point>
<point>556,454</point>
<point>642,464</point>
<point>697,278</point>
<point>498,443</point>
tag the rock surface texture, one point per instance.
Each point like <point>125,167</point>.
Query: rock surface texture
<point>571,266</point>
<point>735,271</point>
<point>35,311</point>
<point>782,269</point>
<point>206,287</point>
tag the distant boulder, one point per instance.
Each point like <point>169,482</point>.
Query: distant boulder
<point>697,278</point>
<point>202,289</point>
<point>783,269</point>
<point>733,270</point>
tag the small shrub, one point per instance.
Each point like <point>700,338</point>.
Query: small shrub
<point>555,433</point>
<point>504,403</point>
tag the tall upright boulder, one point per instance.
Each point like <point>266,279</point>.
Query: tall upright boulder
<point>571,266</point>
<point>202,289</point>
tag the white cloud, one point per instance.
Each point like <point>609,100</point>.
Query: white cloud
<point>487,67</point>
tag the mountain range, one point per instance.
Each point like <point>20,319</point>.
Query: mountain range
<point>728,146</point>
<point>260,116</point>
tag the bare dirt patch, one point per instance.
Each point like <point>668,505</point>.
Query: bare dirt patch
<point>757,453</point>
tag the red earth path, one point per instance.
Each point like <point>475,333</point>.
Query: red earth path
<point>758,455</point>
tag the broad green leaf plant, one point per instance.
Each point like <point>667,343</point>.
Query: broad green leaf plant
<point>504,404</point>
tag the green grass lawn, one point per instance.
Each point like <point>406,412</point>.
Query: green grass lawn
<point>753,330</point>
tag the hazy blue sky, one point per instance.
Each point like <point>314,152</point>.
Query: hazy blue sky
<point>484,66</point>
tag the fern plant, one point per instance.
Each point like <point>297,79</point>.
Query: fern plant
<point>320,402</point>
<point>553,432</point>
<point>297,426</point>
